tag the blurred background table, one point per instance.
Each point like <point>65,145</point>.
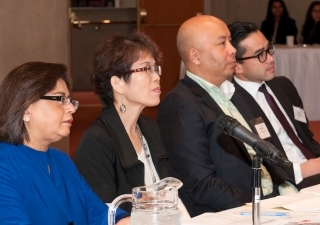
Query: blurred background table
<point>302,66</point>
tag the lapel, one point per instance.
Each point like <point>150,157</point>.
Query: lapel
<point>201,93</point>
<point>127,154</point>
<point>121,140</point>
<point>251,105</point>
<point>243,108</point>
<point>249,108</point>
<point>287,105</point>
<point>209,101</point>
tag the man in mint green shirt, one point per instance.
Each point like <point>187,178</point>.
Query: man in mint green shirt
<point>214,167</point>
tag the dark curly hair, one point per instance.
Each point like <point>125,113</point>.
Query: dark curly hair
<point>115,55</point>
<point>23,86</point>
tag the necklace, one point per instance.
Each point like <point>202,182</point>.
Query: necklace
<point>148,157</point>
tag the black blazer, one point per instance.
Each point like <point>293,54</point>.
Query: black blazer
<point>308,38</point>
<point>286,27</point>
<point>288,97</point>
<point>214,167</point>
<point>106,157</point>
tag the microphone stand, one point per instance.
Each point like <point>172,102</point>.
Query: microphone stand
<point>256,189</point>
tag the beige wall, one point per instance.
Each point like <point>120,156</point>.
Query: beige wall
<point>34,30</point>
<point>256,10</point>
<point>40,30</point>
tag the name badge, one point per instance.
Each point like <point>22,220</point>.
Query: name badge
<point>299,114</point>
<point>260,127</point>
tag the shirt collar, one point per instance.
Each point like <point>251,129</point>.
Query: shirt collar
<point>249,86</point>
<point>226,87</point>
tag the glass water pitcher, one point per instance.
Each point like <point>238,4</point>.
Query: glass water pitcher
<point>155,204</point>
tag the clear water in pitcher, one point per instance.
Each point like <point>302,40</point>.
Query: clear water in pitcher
<point>162,217</point>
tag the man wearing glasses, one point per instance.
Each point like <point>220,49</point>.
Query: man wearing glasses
<point>275,103</point>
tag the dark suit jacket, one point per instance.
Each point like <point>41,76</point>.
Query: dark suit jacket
<point>106,157</point>
<point>288,97</point>
<point>214,167</point>
<point>286,27</point>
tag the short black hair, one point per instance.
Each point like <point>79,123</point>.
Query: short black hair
<point>240,31</point>
<point>114,56</point>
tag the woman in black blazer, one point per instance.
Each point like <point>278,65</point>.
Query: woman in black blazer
<point>122,149</point>
<point>278,24</point>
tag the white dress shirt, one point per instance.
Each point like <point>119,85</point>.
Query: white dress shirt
<point>293,153</point>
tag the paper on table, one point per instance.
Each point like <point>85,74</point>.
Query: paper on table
<point>217,218</point>
<point>296,202</point>
<point>279,201</point>
<point>312,190</point>
<point>306,205</point>
<point>229,217</point>
<point>298,218</point>
<point>232,216</point>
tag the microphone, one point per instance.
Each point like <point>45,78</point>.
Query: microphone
<point>263,148</point>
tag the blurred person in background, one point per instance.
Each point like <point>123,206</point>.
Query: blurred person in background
<point>278,24</point>
<point>311,28</point>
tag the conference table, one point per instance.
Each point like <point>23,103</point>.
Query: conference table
<point>300,208</point>
<point>301,64</point>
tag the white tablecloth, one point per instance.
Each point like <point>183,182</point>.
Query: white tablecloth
<point>233,217</point>
<point>300,208</point>
<point>302,66</point>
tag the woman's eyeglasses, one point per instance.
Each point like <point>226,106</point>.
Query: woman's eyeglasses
<point>150,70</point>
<point>262,56</point>
<point>62,99</point>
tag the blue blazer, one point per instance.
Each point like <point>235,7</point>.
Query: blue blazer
<point>29,194</point>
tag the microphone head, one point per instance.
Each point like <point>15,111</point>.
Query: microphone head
<point>227,124</point>
<point>280,158</point>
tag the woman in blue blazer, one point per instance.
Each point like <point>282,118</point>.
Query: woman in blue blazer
<point>38,184</point>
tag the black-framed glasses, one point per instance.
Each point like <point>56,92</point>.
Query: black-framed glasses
<point>62,99</point>
<point>150,70</point>
<point>262,56</point>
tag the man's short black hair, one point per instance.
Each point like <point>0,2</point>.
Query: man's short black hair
<point>240,31</point>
